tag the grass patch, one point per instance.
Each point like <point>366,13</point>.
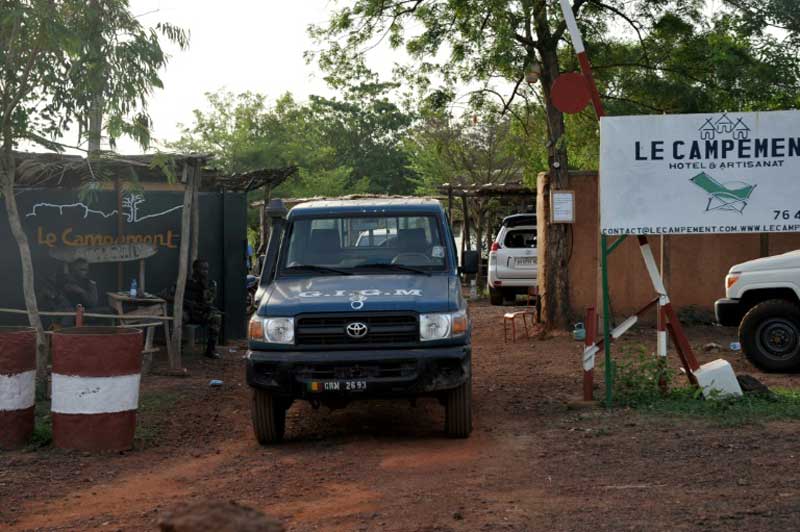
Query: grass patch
<point>749,409</point>
<point>636,385</point>
<point>152,407</point>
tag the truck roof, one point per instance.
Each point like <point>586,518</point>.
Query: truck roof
<point>361,206</point>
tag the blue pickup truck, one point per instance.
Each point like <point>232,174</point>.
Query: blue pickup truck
<point>360,299</point>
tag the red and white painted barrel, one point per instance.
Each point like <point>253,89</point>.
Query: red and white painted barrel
<point>17,385</point>
<point>95,395</point>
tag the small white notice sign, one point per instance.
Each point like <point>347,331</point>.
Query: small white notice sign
<point>562,206</point>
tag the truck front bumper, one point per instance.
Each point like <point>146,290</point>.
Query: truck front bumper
<point>359,374</point>
<point>729,312</point>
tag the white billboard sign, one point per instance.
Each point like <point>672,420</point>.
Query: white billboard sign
<point>700,173</point>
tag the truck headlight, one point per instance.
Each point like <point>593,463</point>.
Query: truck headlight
<point>272,330</point>
<point>442,326</point>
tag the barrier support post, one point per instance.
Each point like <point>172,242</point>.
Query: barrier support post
<point>588,374</point>
<point>609,373</point>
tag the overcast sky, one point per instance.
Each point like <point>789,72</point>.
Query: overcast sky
<point>239,45</point>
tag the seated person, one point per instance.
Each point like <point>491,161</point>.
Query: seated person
<point>198,304</point>
<point>65,291</point>
<point>76,287</point>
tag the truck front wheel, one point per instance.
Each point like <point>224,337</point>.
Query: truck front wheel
<point>770,335</point>
<point>458,411</point>
<point>269,417</point>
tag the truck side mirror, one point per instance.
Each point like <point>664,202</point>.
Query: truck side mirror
<point>276,212</point>
<point>469,262</point>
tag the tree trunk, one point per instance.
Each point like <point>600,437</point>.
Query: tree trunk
<point>183,268</point>
<point>95,124</point>
<point>556,307</point>
<point>28,281</point>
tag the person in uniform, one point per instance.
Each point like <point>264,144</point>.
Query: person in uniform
<point>198,304</point>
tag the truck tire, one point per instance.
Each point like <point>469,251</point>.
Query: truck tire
<point>458,411</point>
<point>269,417</point>
<point>770,335</point>
<point>495,296</point>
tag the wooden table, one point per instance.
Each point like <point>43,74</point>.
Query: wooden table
<point>143,310</point>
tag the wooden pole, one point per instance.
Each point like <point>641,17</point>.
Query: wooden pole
<point>450,203</point>
<point>763,245</point>
<point>265,222</point>
<point>141,278</point>
<point>466,222</point>
<point>120,231</point>
<point>195,214</point>
<point>588,365</point>
<point>183,269</point>
<point>8,163</point>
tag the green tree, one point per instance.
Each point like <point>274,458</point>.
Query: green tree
<point>650,56</point>
<point>365,130</point>
<point>759,16</point>
<point>47,85</point>
<point>243,134</point>
<point>480,147</point>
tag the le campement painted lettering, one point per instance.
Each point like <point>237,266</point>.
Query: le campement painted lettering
<point>70,238</point>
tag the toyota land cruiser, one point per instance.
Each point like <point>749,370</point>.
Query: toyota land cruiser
<point>360,299</point>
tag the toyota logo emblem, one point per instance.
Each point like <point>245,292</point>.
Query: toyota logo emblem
<point>356,330</point>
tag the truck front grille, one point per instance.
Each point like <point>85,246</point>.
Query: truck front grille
<point>383,328</point>
<point>362,370</point>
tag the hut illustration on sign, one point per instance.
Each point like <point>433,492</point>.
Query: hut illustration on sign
<point>731,196</point>
<point>740,130</point>
<point>130,209</point>
<point>724,124</point>
<point>708,131</point>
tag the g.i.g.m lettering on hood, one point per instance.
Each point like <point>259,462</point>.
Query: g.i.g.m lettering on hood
<point>399,292</point>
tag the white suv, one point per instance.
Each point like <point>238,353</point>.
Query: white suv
<point>762,298</point>
<point>513,259</point>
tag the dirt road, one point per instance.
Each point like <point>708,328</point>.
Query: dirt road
<point>531,464</point>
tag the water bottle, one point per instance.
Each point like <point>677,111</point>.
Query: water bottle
<point>134,288</point>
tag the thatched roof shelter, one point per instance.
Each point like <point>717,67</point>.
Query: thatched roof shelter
<point>474,190</point>
<point>55,170</point>
<point>291,202</point>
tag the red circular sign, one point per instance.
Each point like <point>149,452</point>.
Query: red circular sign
<point>570,93</point>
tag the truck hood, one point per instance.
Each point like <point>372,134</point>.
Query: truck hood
<point>776,262</point>
<point>365,293</point>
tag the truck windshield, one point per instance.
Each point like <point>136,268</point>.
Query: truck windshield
<point>365,244</point>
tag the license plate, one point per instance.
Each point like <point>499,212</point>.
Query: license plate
<point>525,261</point>
<point>337,386</point>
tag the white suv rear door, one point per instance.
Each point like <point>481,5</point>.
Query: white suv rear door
<point>517,257</point>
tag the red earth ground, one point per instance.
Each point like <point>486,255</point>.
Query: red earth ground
<point>532,462</point>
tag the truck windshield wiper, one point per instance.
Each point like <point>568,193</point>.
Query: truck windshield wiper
<point>395,267</point>
<point>315,268</point>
